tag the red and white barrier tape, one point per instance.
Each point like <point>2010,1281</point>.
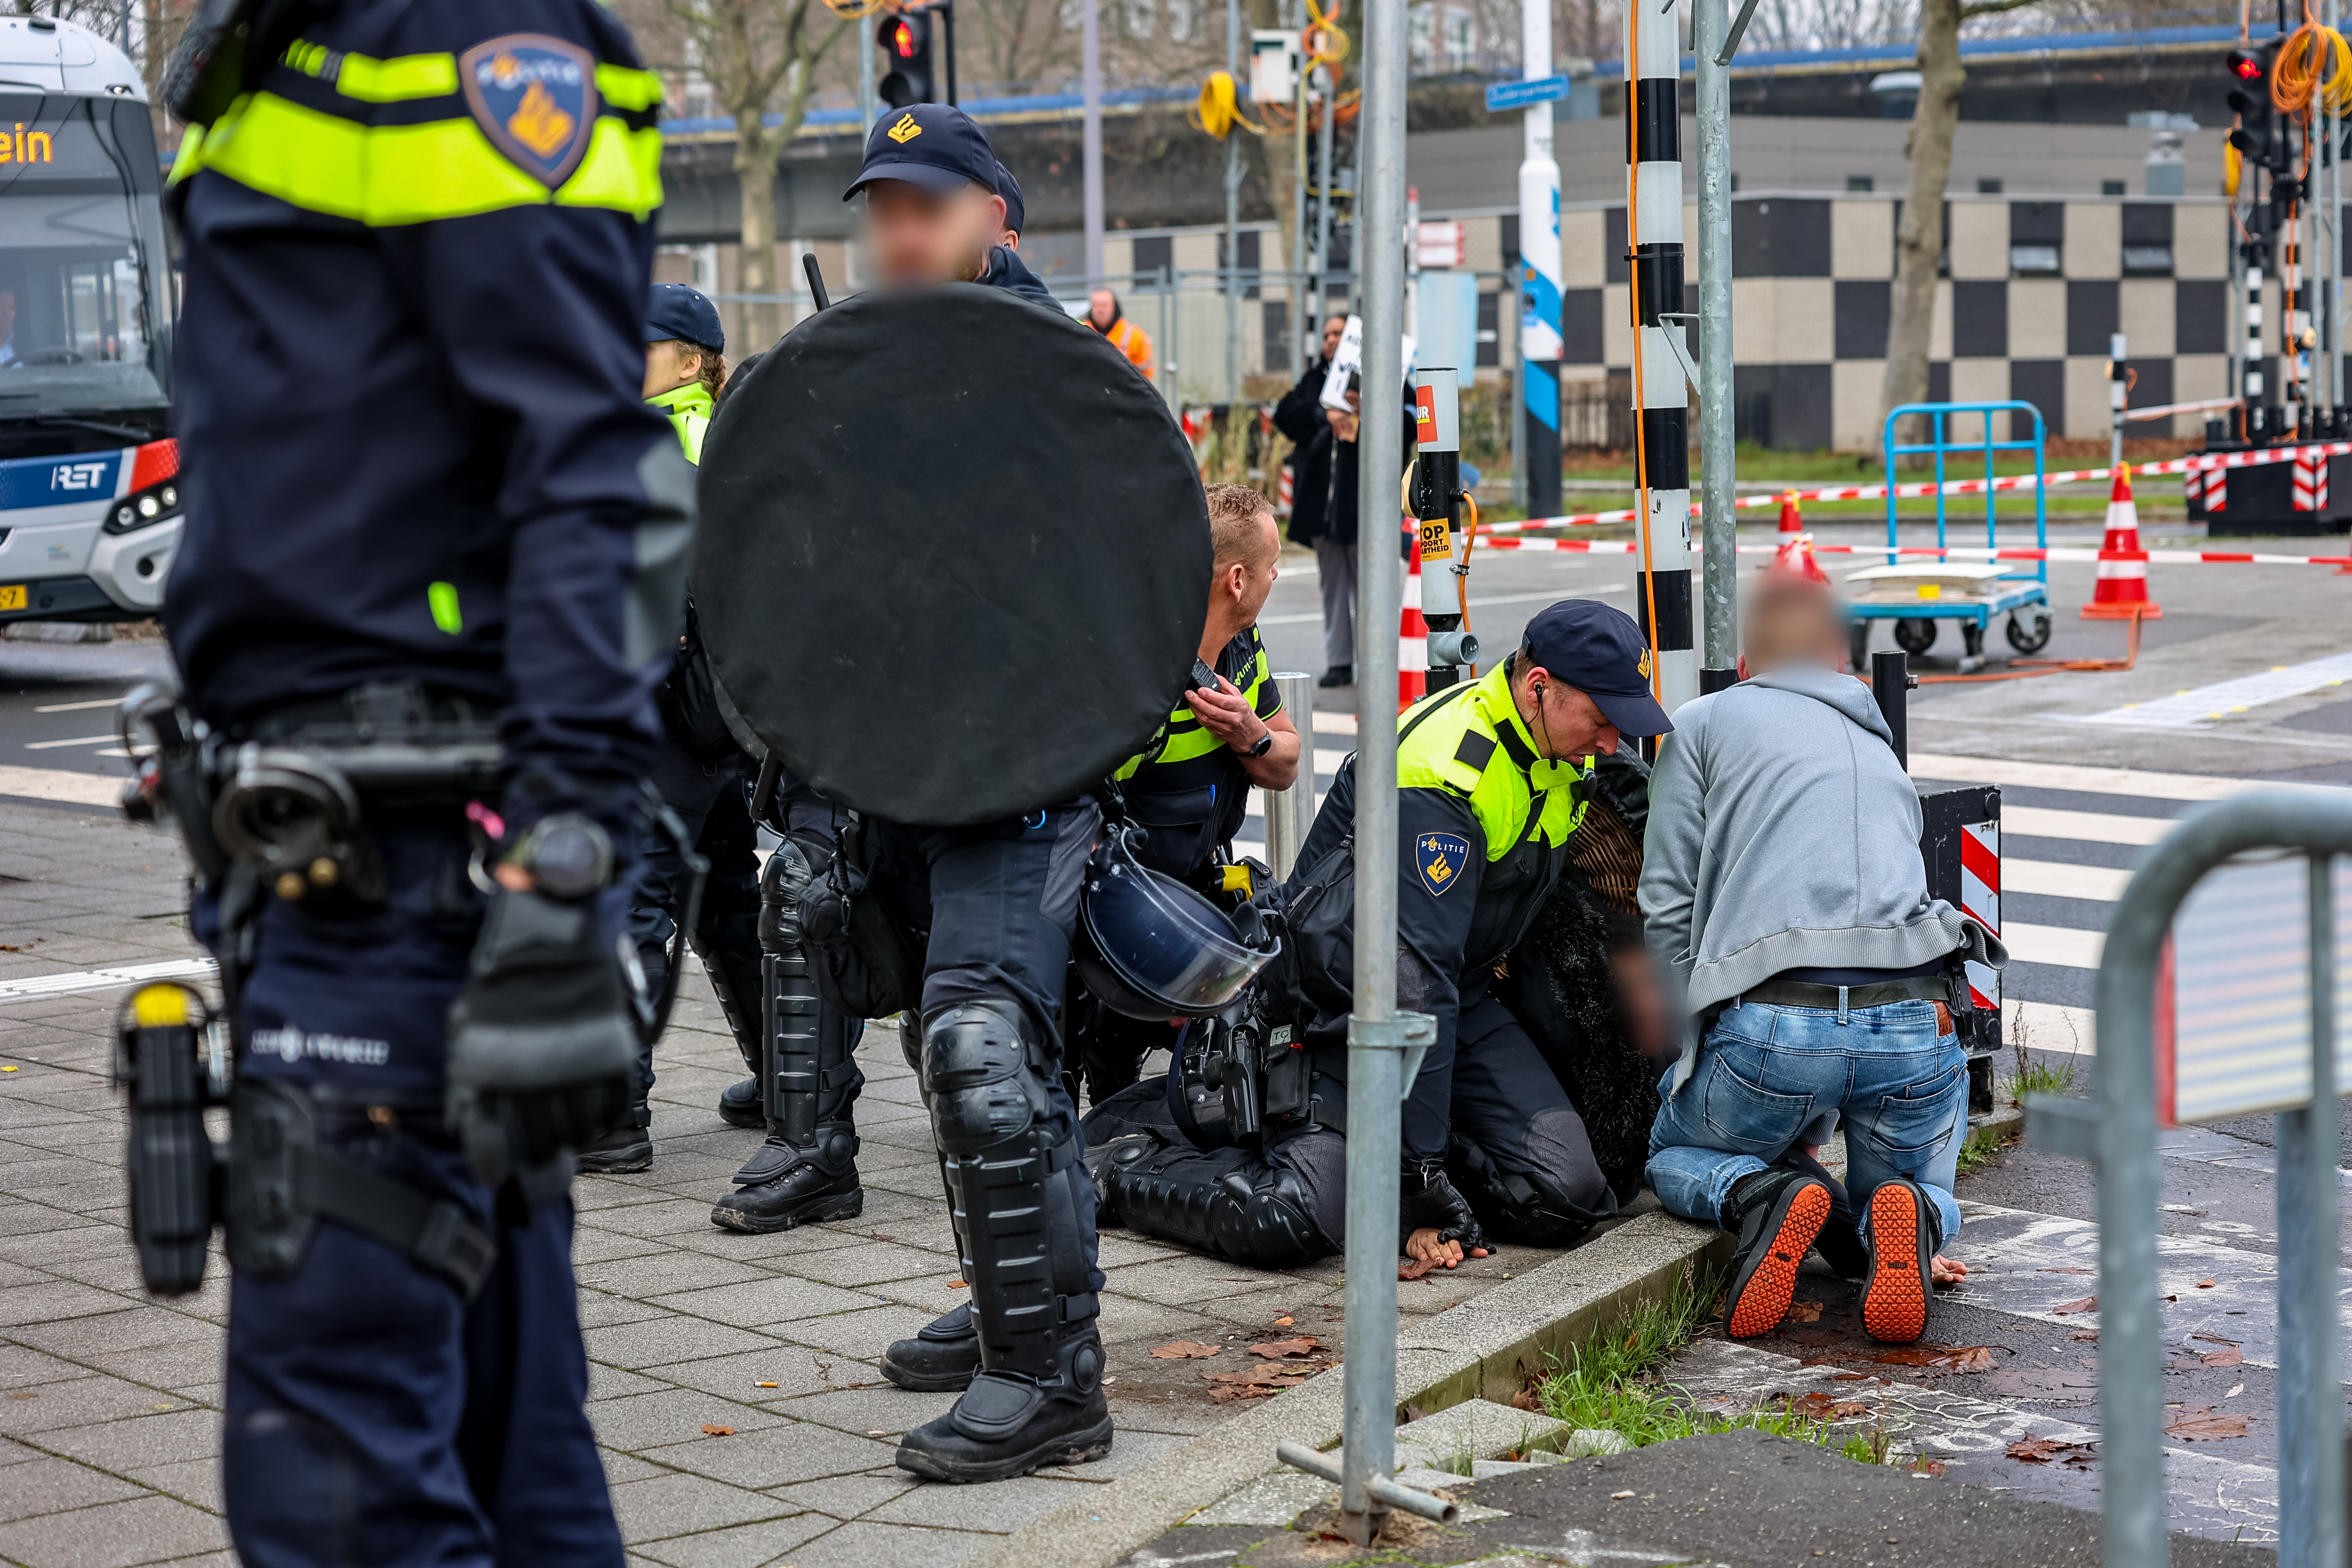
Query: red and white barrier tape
<point>2198,463</point>
<point>1975,552</point>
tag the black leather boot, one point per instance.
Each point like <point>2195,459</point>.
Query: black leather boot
<point>739,1104</point>
<point>783,1185</point>
<point>1008,1424</point>
<point>942,1358</point>
<point>1776,1215</point>
<point>628,1147</point>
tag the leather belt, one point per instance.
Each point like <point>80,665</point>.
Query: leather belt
<point>1805,993</point>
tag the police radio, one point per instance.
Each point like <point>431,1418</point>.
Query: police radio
<point>1240,1079</point>
<point>170,1062</point>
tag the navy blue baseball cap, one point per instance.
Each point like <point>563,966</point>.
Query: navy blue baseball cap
<point>675,310</point>
<point>1010,189</point>
<point>1600,651</point>
<point>935,145</point>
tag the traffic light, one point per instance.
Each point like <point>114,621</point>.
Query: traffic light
<point>2250,101</point>
<point>906,43</point>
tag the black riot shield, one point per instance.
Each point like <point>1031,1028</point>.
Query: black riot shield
<point>954,559</point>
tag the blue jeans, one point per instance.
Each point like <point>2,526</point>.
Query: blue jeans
<point>1764,1073</point>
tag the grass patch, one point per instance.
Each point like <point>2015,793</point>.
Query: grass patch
<point>2042,1077</point>
<point>1610,1381</point>
<point>1983,1147</point>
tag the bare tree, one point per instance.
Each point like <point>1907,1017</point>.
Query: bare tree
<point>759,56</point>
<point>1920,241</point>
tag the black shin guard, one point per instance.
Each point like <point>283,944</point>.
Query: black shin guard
<point>1225,1200</point>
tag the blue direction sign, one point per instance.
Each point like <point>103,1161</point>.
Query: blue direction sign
<point>1505,95</point>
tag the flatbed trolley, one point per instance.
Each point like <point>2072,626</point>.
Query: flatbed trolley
<point>1916,592</point>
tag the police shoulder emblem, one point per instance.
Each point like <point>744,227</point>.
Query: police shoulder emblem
<point>1441,858</point>
<point>535,98</point>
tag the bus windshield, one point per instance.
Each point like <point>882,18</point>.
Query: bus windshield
<point>84,325</point>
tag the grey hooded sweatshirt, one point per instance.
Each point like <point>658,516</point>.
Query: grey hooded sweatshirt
<point>1784,834</point>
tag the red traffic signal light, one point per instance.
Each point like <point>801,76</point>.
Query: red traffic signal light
<point>903,42</point>
<point>2245,65</point>
<point>907,65</point>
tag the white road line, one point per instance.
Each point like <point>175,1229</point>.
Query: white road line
<point>2202,706</point>
<point>2097,826</point>
<point>55,784</point>
<point>1334,723</point>
<point>2048,1026</point>
<point>80,980</point>
<point>107,740</point>
<point>2089,780</point>
<point>79,707</point>
<point>2062,945</point>
<point>2057,879</point>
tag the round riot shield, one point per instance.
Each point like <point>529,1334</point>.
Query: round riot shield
<point>953,561</point>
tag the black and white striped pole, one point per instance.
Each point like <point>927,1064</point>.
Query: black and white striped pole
<point>1661,361</point>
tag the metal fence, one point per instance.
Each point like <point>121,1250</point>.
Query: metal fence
<point>2140,1066</point>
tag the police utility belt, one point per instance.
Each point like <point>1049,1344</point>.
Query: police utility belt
<point>280,813</point>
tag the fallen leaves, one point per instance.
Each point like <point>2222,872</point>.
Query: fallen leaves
<point>713,1429</point>
<point>1525,1399</point>
<point>2087,1336</point>
<point>1924,1466</point>
<point>2035,1450</point>
<point>1805,1311</point>
<point>1287,1349</point>
<point>2228,1355</point>
<point>1184,1350</point>
<point>1257,1382</point>
<point>959,1285</point>
<point>1283,1322</point>
<point>2202,1426</point>
<point>2087,1304</point>
<point>1821,1407</point>
<point>1940,1358</point>
<point>2204,1284</point>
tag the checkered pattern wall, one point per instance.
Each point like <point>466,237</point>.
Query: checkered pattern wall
<point>2032,292</point>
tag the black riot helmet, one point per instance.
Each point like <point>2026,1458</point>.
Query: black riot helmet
<point>1150,947</point>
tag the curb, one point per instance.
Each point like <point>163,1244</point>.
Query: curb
<point>1481,1348</point>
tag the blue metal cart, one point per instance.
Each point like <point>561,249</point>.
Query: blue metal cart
<point>1916,593</point>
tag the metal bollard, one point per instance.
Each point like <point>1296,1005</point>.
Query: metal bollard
<point>1290,812</point>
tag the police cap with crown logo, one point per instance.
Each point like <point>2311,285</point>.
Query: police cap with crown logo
<point>935,145</point>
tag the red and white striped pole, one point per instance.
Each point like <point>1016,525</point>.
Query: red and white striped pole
<point>1413,637</point>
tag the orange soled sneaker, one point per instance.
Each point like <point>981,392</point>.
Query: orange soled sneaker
<point>1777,1214</point>
<point>1903,1244</point>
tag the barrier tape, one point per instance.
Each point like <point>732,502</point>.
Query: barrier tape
<point>2198,463</point>
<point>1973,553</point>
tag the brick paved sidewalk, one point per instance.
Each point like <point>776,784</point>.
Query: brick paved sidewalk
<point>109,1439</point>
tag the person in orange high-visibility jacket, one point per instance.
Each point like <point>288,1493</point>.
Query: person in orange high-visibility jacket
<point>1103,315</point>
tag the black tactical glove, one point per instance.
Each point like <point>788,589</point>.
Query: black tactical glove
<point>1426,1200</point>
<point>541,1056</point>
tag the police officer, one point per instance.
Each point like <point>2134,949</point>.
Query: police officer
<point>424,497</point>
<point>990,909</point>
<point>1189,790</point>
<point>1489,791</point>
<point>699,772</point>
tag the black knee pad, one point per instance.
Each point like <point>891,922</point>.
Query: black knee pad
<point>975,1070</point>
<point>1531,1207</point>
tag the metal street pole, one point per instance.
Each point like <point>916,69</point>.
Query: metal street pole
<point>1539,342</point>
<point>1091,88</point>
<point>1233,211</point>
<point>869,105</point>
<point>1377,1037</point>
<point>1718,458</point>
<point>1661,388</point>
<point>1323,190</point>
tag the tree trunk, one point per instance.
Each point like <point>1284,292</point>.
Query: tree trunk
<point>1919,243</point>
<point>756,148</point>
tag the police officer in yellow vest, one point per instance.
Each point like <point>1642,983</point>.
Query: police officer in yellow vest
<point>1491,784</point>
<point>685,363</point>
<point>1190,789</point>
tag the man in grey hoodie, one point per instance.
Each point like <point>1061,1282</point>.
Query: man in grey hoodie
<point>1783,891</point>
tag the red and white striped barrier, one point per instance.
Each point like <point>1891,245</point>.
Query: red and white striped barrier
<point>2310,482</point>
<point>1413,639</point>
<point>1959,552</point>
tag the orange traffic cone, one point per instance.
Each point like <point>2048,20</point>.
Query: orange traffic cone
<point>1413,638</point>
<point>1796,556</point>
<point>2122,591</point>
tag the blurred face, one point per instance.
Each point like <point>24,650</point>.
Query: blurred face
<point>1249,581</point>
<point>1102,309</point>
<point>1794,626</point>
<point>669,366</point>
<point>1333,329</point>
<point>1644,1005</point>
<point>918,236</point>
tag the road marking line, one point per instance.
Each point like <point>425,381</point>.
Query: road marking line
<point>80,980</point>
<point>2057,879</point>
<point>77,741</point>
<point>2198,708</point>
<point>56,784</point>
<point>2063,945</point>
<point>2090,781</point>
<point>2048,1026</point>
<point>79,707</point>
<point>2097,826</point>
<point>1334,723</point>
